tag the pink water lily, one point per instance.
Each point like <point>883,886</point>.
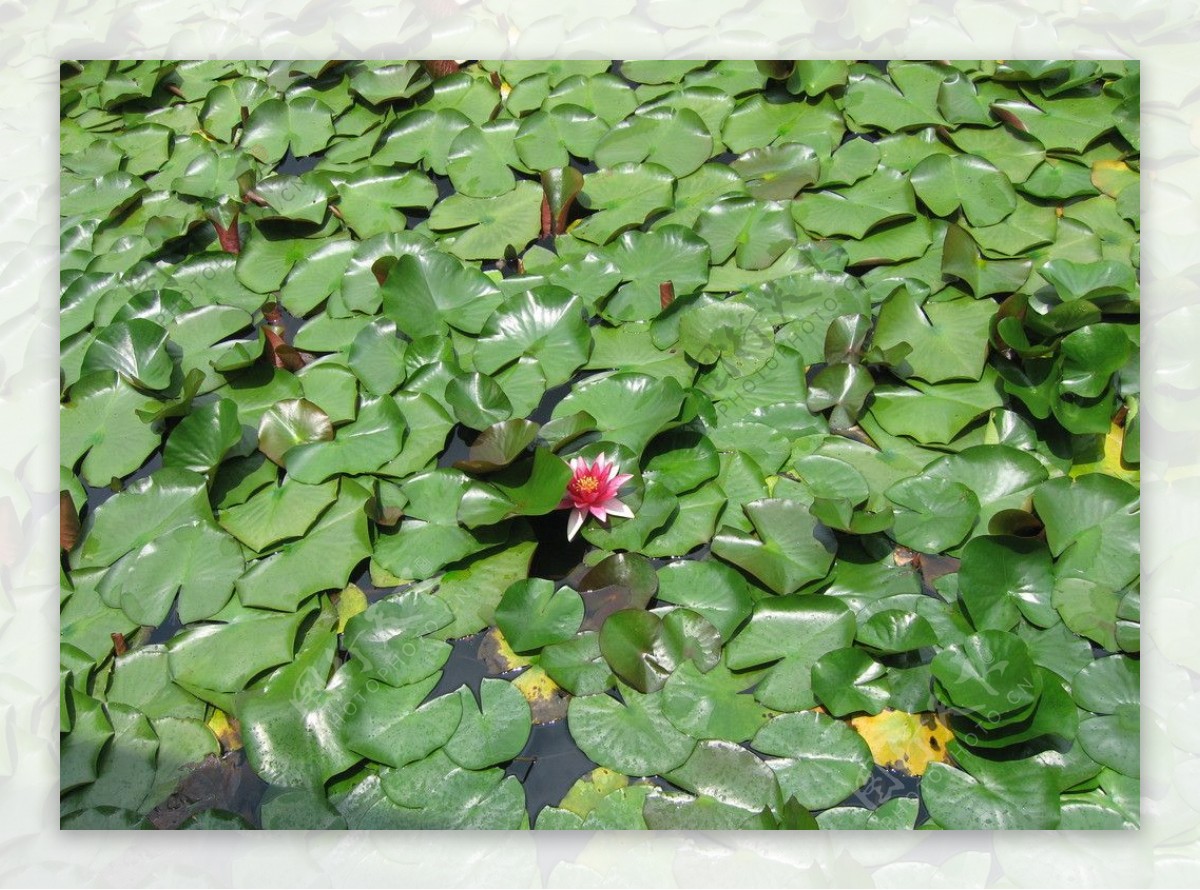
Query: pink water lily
<point>593,489</point>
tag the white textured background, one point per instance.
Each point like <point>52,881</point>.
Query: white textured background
<point>1164,34</point>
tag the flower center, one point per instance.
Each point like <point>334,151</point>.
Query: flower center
<point>585,485</point>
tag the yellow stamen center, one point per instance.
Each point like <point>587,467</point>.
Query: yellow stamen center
<point>586,485</point>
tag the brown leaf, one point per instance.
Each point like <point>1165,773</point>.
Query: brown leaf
<point>440,67</point>
<point>68,522</point>
<point>282,355</point>
<point>666,293</point>
<point>547,700</point>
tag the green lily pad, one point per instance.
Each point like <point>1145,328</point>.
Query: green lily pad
<point>499,445</point>
<point>135,349</point>
<point>290,726</point>
<point>848,680</point>
<point>934,514</point>
<point>361,446</point>
<point>1003,577</point>
<point>948,339</point>
<point>435,793</point>
<point>290,423</point>
<point>988,794</point>
<point>710,588</point>
<point>946,183</point>
<point>485,228</point>
<point>546,324</point>
<point>792,548</point>
<point>669,254</point>
<point>165,500</point>
<point>532,614</point>
<point>225,657</point>
<point>198,562</point>
<point>547,138</point>
<point>391,638</point>
<point>884,197</point>
<point>778,172</point>
<point>818,760</point>
<point>990,675</point>
<point>321,560</point>
<point>634,738</point>
<point>392,725</point>
<point>643,649</point>
<point>630,408</point>
<point>756,232</point>
<point>100,424</point>
<point>712,704</point>
<point>676,139</point>
<point>303,124</point>
<point>622,197</point>
<point>493,731</point>
<point>425,293</point>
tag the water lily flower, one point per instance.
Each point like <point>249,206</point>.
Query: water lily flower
<point>593,489</point>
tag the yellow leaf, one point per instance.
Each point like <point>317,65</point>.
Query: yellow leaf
<point>1113,177</point>
<point>1104,456</point>
<point>591,789</point>
<point>350,602</point>
<point>226,729</point>
<point>498,655</point>
<point>906,743</point>
<point>547,700</point>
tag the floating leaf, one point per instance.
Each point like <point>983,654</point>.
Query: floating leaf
<point>622,197</point>
<point>488,227</point>
<point>633,738</point>
<point>361,446</point>
<point>425,293</point>
<point>854,211</point>
<point>391,638</point>
<point>819,761</point>
<point>532,614</point>
<point>290,726</point>
<point>395,726</point>
<point>644,649</point>
<point>498,446</point>
<point>988,794</point>
<point>630,408</point>
<point>792,547</point>
<point>545,323</point>
<point>905,743</point>
<point>321,560</point>
<point>198,562</point>
<point>778,172</point>
<point>676,139</point>
<point>492,732</point>
<point>136,349</point>
<point>290,423</point>
<point>947,182</point>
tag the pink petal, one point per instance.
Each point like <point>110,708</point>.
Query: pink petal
<point>599,512</point>
<point>615,508</point>
<point>620,480</point>
<point>575,523</point>
<point>577,465</point>
<point>565,502</point>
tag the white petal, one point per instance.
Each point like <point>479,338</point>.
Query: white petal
<point>574,523</point>
<point>616,508</point>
